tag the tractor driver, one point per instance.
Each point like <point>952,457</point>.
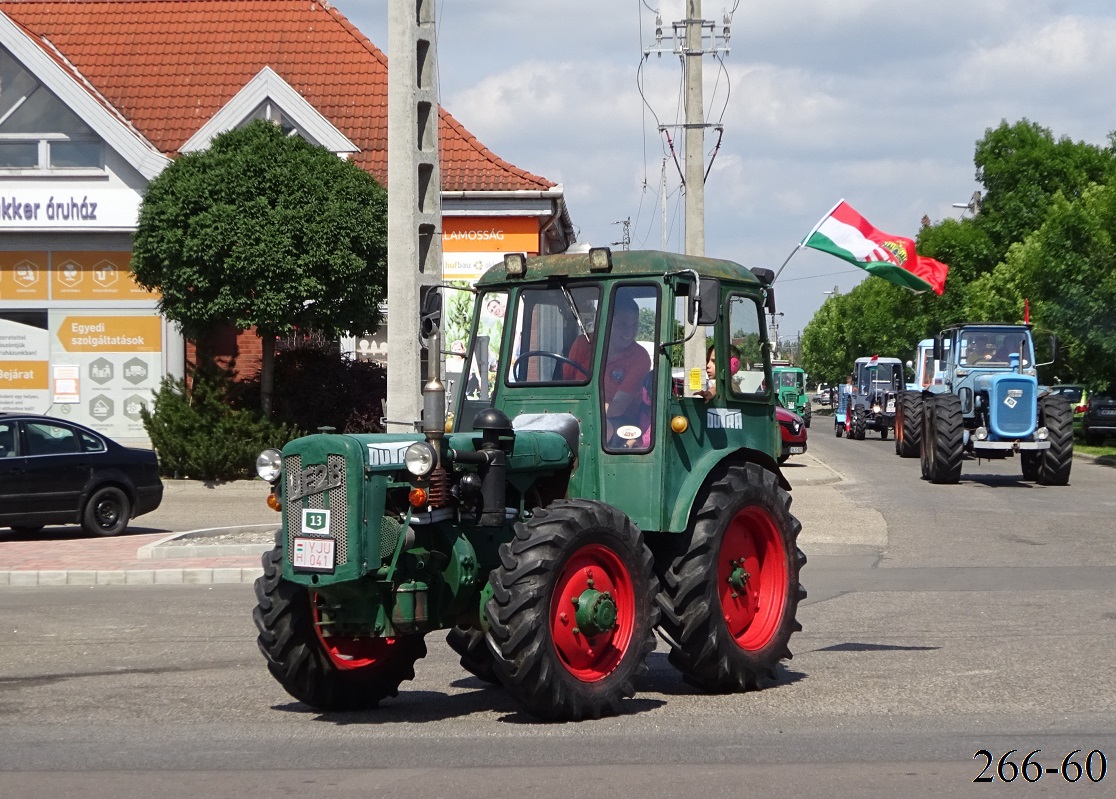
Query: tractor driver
<point>626,366</point>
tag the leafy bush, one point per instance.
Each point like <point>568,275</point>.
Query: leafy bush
<point>317,387</point>
<point>205,433</point>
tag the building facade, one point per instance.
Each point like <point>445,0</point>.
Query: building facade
<point>97,98</point>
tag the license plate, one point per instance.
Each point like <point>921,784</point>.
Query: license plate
<point>1106,411</point>
<point>314,554</point>
<point>797,450</point>
<point>891,406</point>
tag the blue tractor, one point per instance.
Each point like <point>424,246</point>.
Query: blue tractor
<point>988,404</point>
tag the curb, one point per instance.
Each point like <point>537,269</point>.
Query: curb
<point>204,576</point>
<point>157,550</point>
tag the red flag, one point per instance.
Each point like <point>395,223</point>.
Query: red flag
<point>848,235</point>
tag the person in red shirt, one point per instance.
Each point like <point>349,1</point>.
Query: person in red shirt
<point>626,365</point>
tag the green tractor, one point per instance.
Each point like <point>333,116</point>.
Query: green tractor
<point>578,500</point>
<point>790,383</point>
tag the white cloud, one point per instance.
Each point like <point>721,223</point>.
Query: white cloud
<point>878,101</point>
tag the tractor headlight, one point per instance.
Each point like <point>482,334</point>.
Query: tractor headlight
<point>419,458</point>
<point>875,409</point>
<point>268,464</point>
<point>1042,434</point>
<point>980,434</point>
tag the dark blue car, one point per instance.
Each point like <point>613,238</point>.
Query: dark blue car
<point>53,471</point>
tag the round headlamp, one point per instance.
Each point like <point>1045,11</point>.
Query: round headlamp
<point>268,464</point>
<point>419,458</point>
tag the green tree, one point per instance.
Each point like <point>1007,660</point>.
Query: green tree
<point>264,230</point>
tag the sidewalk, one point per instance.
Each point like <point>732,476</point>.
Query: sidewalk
<point>201,534</point>
<point>190,511</point>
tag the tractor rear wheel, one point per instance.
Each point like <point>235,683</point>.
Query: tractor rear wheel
<point>1054,463</point>
<point>469,643</point>
<point>572,615</point>
<point>324,672</point>
<point>942,439</point>
<point>908,424</point>
<point>730,596</point>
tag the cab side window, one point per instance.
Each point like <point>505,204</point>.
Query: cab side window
<point>627,376</point>
<point>50,439</point>
<point>745,373</point>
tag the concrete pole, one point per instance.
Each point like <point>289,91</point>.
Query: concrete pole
<point>414,200</point>
<point>695,166</point>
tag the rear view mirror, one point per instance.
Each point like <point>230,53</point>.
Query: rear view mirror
<point>710,301</point>
<point>430,312</point>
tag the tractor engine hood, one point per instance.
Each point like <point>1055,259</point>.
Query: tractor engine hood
<point>1012,403</point>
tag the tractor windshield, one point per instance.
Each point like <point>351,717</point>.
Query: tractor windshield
<point>994,347</point>
<point>554,336</point>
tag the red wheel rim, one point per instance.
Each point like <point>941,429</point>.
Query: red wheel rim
<point>752,578</point>
<point>352,653</point>
<point>592,657</point>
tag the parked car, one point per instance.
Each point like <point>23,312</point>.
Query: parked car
<point>821,396</point>
<point>1099,420</point>
<point>1078,398</point>
<point>53,471</point>
<point>793,430</point>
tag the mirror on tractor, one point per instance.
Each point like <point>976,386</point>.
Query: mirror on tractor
<point>939,348</point>
<point>709,302</point>
<point>430,311</point>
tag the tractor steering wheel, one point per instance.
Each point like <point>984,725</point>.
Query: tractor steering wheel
<point>523,356</point>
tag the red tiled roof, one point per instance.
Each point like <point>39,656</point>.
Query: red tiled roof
<point>168,66</point>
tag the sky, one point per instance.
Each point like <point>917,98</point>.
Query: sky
<point>878,102</point>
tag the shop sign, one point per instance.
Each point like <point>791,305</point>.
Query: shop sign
<point>85,209</point>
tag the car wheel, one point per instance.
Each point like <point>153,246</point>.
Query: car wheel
<point>107,512</point>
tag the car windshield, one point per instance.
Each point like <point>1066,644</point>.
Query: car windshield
<point>1071,393</point>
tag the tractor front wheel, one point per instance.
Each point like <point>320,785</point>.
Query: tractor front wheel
<point>908,424</point>
<point>730,597</point>
<point>326,672</point>
<point>1054,463</point>
<point>942,439</point>
<point>572,613</point>
<point>857,426</point>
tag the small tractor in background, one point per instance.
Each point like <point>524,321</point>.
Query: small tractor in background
<point>877,383</point>
<point>986,402</point>
<point>790,385</point>
<point>576,502</point>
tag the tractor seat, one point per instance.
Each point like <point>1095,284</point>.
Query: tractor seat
<point>564,424</point>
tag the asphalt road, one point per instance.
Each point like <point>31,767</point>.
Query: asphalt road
<point>942,620</point>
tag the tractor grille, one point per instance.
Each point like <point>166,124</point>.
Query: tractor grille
<point>299,481</point>
<point>1013,408</point>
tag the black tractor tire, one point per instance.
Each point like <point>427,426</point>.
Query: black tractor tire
<point>808,415</point>
<point>1054,463</point>
<point>883,433</point>
<point>856,429</point>
<point>942,440</point>
<point>572,613</point>
<point>908,424</point>
<point>1028,461</point>
<point>469,643</point>
<point>107,512</point>
<point>730,595</point>
<point>838,429</point>
<point>347,674</point>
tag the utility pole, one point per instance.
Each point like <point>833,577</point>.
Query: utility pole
<point>414,201</point>
<point>694,353</point>
<point>694,38</point>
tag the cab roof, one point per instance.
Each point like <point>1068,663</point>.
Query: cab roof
<point>625,263</point>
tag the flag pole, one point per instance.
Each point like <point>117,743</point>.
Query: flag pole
<point>806,238</point>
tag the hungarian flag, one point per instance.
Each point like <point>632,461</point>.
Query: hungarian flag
<point>845,233</point>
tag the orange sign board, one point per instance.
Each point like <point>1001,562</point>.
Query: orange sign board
<point>490,234</point>
<point>94,276</point>
<point>26,375</point>
<point>23,276</point>
<point>111,334</point>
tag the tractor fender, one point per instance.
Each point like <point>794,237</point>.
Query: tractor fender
<point>699,474</point>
